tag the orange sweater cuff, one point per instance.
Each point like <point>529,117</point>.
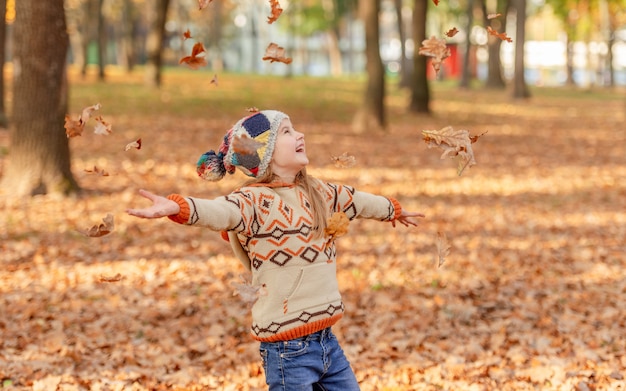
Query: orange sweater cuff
<point>183,216</point>
<point>396,207</point>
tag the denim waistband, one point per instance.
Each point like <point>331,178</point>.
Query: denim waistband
<point>316,336</point>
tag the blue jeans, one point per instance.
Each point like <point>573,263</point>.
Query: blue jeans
<point>313,362</point>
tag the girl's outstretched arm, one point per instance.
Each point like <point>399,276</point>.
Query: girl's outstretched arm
<point>407,218</point>
<point>161,207</point>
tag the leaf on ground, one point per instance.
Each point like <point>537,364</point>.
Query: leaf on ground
<point>102,229</point>
<point>214,80</point>
<point>275,53</point>
<point>435,48</point>
<point>453,143</point>
<point>115,278</point>
<point>276,11</point>
<point>98,171</point>
<point>443,248</point>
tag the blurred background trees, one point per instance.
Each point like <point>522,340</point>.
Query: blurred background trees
<point>554,42</point>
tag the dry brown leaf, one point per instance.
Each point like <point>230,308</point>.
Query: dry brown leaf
<point>436,2</point>
<point>133,144</point>
<point>435,48</point>
<point>102,127</point>
<point>275,53</point>
<point>502,35</point>
<point>98,171</point>
<point>246,145</point>
<point>443,248</point>
<point>248,292</point>
<point>252,109</point>
<point>276,11</point>
<point>115,278</point>
<point>186,35</point>
<point>493,16</point>
<point>102,229</point>
<point>452,32</point>
<point>203,3</point>
<point>214,80</point>
<point>453,143</point>
<point>75,128</point>
<point>344,160</point>
<point>197,58</point>
<point>337,226</point>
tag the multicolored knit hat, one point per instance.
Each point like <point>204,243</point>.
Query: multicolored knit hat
<point>248,145</point>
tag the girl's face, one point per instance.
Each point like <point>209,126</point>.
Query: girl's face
<point>289,152</point>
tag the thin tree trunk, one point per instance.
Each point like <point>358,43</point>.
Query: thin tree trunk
<point>3,116</point>
<point>39,155</point>
<point>495,79</point>
<point>406,68</point>
<point>466,72</point>
<point>371,115</point>
<point>102,42</point>
<point>154,42</point>
<point>520,89</point>
<point>420,90</point>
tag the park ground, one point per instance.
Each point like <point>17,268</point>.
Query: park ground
<point>532,295</point>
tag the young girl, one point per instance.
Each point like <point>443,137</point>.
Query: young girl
<point>278,226</point>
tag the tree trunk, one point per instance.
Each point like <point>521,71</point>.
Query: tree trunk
<point>39,155</point>
<point>520,89</point>
<point>371,115</point>
<point>102,41</point>
<point>127,41</point>
<point>465,72</point>
<point>495,79</point>
<point>420,91</point>
<point>406,69</point>
<point>3,116</point>
<point>154,42</point>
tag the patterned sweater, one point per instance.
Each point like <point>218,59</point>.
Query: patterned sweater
<point>296,270</point>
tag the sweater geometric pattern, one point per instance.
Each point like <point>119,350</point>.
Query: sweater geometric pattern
<point>296,269</point>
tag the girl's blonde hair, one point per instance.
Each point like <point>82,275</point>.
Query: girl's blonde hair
<point>310,188</point>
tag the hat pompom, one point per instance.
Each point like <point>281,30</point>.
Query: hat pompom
<point>210,166</point>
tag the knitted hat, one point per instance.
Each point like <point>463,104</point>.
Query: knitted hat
<point>248,146</point>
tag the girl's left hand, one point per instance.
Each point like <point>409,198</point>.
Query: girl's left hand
<point>407,218</point>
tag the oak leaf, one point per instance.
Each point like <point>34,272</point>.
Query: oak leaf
<point>435,48</point>
<point>443,248</point>
<point>115,278</point>
<point>493,16</point>
<point>102,229</point>
<point>248,292</point>
<point>276,11</point>
<point>453,143</point>
<point>337,226</point>
<point>502,35</point>
<point>197,58</point>
<point>98,171</point>
<point>452,32</point>
<point>186,35</point>
<point>75,128</point>
<point>133,144</point>
<point>275,53</point>
<point>102,127</point>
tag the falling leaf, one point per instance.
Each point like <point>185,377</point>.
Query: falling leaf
<point>102,229</point>
<point>453,143</point>
<point>493,16</point>
<point>214,80</point>
<point>436,2</point>
<point>337,226</point>
<point>196,59</point>
<point>502,35</point>
<point>275,53</point>
<point>276,11</point>
<point>203,3</point>
<point>98,171</point>
<point>452,32</point>
<point>252,109</point>
<point>115,278</point>
<point>134,144</point>
<point>246,145</point>
<point>248,293</point>
<point>186,35</point>
<point>75,128</point>
<point>435,48</point>
<point>344,160</point>
<point>443,248</point>
<point>102,127</point>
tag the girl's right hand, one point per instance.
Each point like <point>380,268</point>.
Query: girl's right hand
<point>161,207</point>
